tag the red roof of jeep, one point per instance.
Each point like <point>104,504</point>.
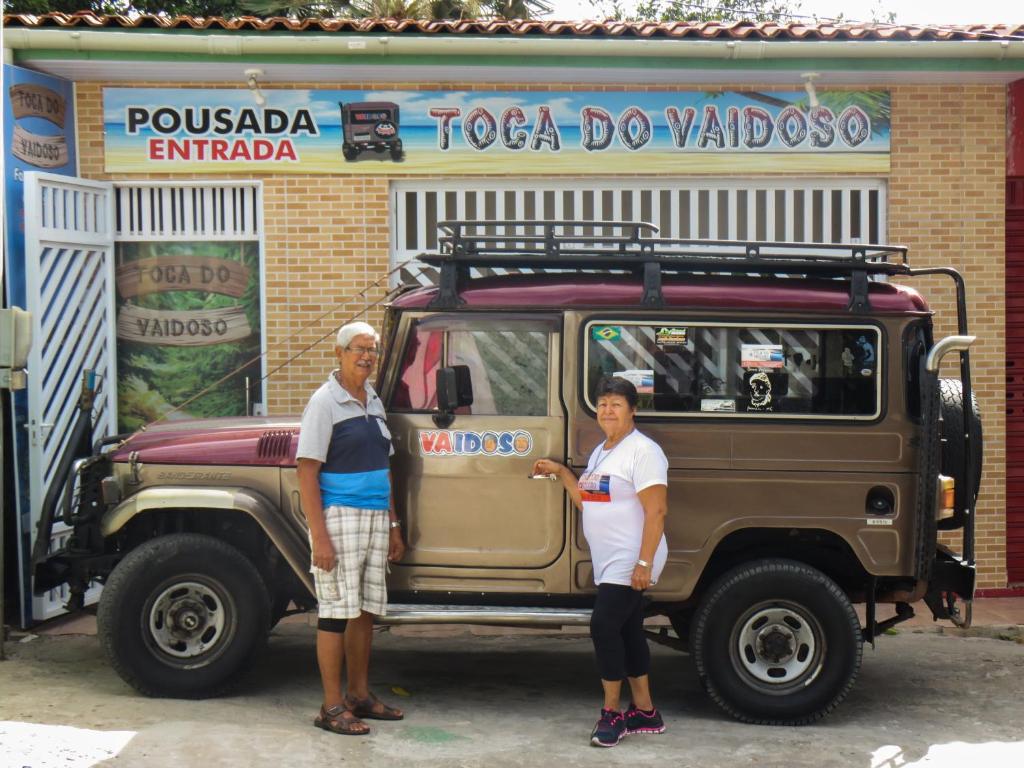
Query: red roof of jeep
<point>696,291</point>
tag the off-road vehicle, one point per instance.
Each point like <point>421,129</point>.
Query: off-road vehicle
<point>814,454</point>
<point>369,125</point>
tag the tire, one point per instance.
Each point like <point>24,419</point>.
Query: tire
<point>967,486</point>
<point>804,615</point>
<point>396,151</point>
<point>161,588</point>
<point>350,153</point>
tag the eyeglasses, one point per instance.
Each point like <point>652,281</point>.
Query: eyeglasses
<point>360,351</point>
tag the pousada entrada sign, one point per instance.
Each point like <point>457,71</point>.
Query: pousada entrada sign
<point>470,132</point>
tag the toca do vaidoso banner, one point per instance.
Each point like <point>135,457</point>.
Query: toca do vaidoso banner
<point>466,132</point>
<point>188,314</point>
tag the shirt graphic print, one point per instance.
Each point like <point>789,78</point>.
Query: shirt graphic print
<point>595,487</point>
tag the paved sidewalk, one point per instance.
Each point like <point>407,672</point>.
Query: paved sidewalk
<point>514,700</point>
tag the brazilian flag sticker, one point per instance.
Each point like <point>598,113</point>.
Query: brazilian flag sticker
<point>606,333</point>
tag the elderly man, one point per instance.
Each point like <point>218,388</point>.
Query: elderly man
<point>345,489</point>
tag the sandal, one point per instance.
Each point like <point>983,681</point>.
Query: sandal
<point>372,708</point>
<point>341,719</point>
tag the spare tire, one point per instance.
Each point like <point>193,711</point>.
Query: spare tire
<point>967,483</point>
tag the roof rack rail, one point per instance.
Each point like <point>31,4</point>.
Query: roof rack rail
<point>635,246</point>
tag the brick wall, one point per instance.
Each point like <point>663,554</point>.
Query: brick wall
<point>946,202</point>
<point>327,237</point>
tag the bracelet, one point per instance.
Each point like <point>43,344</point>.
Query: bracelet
<point>643,563</point>
<point>396,523</point>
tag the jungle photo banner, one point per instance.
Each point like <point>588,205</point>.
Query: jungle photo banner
<point>155,130</point>
<point>188,314</point>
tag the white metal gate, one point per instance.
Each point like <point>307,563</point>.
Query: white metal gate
<point>69,271</point>
<point>806,210</point>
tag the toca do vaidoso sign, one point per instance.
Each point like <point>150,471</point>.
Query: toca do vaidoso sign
<point>468,132</point>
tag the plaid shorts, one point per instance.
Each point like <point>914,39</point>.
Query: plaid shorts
<point>356,583</point>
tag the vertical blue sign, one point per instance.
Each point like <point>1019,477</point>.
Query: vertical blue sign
<point>39,135</point>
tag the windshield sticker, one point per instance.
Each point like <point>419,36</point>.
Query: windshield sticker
<point>456,442</point>
<point>606,333</point>
<point>670,337</point>
<point>760,392</point>
<point>761,356</point>
<point>641,378</point>
<point>709,405</point>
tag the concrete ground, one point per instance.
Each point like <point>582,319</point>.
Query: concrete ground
<point>488,697</point>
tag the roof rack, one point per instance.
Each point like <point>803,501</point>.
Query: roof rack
<point>635,246</point>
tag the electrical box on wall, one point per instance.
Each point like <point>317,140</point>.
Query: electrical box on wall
<point>15,341</point>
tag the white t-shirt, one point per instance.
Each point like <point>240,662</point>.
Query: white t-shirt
<point>613,518</point>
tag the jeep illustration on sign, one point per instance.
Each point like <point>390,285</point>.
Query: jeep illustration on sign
<point>370,125</point>
<point>814,455</point>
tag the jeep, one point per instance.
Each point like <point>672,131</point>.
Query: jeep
<point>370,125</point>
<point>814,455</point>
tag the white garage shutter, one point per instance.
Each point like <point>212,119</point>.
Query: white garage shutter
<point>807,210</point>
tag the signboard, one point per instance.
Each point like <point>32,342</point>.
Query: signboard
<point>39,135</point>
<point>188,131</point>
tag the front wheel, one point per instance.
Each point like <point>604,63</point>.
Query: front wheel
<point>181,615</point>
<point>776,642</point>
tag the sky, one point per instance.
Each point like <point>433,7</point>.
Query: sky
<point>907,11</point>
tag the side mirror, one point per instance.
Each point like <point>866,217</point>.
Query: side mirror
<point>454,390</point>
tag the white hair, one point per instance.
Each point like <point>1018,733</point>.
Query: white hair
<point>349,331</point>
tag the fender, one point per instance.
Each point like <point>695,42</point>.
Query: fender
<point>288,541</point>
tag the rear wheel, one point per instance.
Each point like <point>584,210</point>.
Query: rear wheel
<point>349,152</point>
<point>967,485</point>
<point>776,642</point>
<point>182,615</point>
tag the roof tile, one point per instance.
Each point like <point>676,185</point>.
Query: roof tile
<point>710,30</point>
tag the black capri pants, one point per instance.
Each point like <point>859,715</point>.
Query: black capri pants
<point>617,629</point>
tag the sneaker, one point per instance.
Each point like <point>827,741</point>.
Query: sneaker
<point>609,729</point>
<point>643,721</point>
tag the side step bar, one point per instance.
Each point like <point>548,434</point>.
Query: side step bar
<point>399,613</point>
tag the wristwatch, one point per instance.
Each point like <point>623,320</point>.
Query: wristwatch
<point>396,524</point>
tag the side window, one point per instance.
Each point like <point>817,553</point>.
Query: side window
<point>509,370</point>
<point>416,387</point>
<point>508,367</point>
<point>793,371</point>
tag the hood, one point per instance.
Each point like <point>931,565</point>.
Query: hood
<point>241,442</point>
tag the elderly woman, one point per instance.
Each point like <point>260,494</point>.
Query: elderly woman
<point>345,490</point>
<point>623,495</point>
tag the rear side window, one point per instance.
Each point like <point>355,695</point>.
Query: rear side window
<point>726,370</point>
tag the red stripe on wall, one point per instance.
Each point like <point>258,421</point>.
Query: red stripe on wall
<point>1015,364</point>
